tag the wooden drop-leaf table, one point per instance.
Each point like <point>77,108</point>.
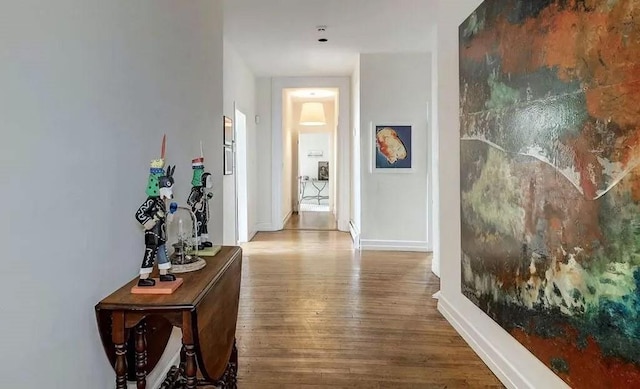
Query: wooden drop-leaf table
<point>135,329</point>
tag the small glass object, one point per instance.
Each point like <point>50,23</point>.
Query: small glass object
<point>182,240</point>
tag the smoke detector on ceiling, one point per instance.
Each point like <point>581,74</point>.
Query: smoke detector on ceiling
<point>321,31</point>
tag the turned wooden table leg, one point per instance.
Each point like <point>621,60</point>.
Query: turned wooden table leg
<point>190,366</point>
<point>233,376</point>
<point>118,338</point>
<point>141,355</point>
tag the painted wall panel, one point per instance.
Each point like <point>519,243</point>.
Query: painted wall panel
<point>548,181</point>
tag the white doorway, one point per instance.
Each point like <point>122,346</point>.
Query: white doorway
<point>309,166</point>
<point>283,175</point>
<point>314,154</point>
<point>242,202</point>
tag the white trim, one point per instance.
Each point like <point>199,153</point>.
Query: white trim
<point>355,235</point>
<point>435,265</point>
<point>265,226</point>
<point>343,139</point>
<point>252,233</point>
<point>170,357</point>
<point>285,220</point>
<point>343,225</point>
<point>395,245</point>
<point>491,356</point>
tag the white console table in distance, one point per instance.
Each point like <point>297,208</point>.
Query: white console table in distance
<point>319,185</point>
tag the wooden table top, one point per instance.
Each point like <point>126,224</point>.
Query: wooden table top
<point>195,285</point>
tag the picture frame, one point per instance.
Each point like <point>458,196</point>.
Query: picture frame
<point>391,147</point>
<point>228,160</point>
<point>228,131</point>
<point>323,170</point>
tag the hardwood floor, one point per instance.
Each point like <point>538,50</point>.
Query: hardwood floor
<point>316,314</point>
<point>312,221</point>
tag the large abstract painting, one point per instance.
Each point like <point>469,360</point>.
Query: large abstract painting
<point>550,180</point>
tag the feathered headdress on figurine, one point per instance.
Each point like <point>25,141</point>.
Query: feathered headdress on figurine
<point>199,176</point>
<point>197,164</point>
<point>157,176</point>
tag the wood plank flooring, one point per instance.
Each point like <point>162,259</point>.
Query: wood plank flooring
<point>312,221</point>
<point>316,314</point>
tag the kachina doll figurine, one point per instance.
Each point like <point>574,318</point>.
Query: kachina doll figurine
<point>199,201</point>
<point>152,215</point>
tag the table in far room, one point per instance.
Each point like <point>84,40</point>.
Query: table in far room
<point>319,185</point>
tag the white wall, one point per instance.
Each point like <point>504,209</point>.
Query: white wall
<point>395,88</point>
<point>263,155</point>
<point>240,90</point>
<point>88,89</point>
<point>509,360</point>
<point>313,141</point>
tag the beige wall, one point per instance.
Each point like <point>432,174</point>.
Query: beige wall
<point>287,157</point>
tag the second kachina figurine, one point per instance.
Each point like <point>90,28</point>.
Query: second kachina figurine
<point>152,215</point>
<point>199,201</point>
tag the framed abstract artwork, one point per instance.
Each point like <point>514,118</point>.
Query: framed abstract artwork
<point>392,148</point>
<point>550,181</point>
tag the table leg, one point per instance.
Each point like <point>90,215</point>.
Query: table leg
<point>118,338</point>
<point>233,376</point>
<point>190,367</point>
<point>141,355</point>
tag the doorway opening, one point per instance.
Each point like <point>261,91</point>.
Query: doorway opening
<point>242,202</point>
<point>310,157</point>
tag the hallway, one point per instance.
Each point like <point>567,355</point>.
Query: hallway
<point>312,221</point>
<point>316,314</point>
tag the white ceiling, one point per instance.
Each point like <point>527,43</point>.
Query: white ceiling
<point>311,94</point>
<point>279,37</point>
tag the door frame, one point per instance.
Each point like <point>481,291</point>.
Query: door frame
<point>343,149</point>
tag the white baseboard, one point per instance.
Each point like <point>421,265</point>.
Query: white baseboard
<point>343,225</point>
<point>492,357</point>
<point>395,245</point>
<point>355,235</point>
<point>435,264</point>
<point>252,233</point>
<point>170,357</point>
<point>265,226</point>
<point>285,220</point>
